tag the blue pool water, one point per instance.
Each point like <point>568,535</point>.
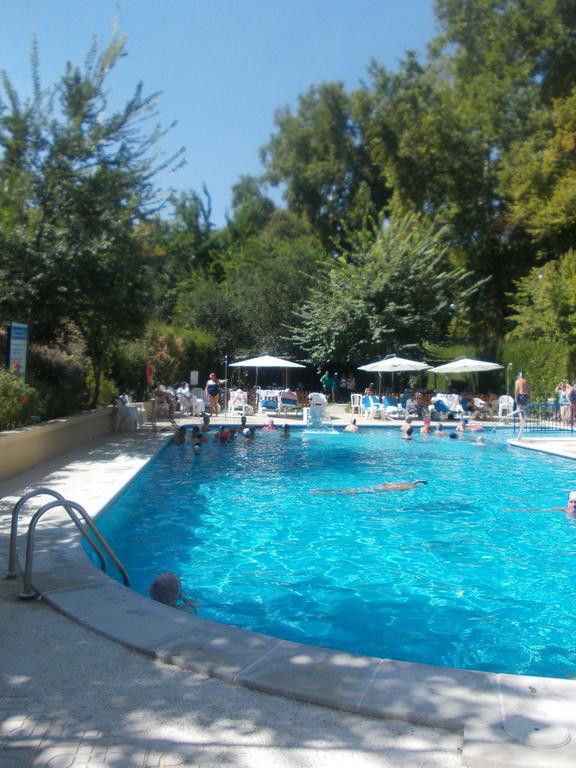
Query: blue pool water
<point>472,570</point>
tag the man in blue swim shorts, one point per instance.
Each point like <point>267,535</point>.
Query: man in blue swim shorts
<point>521,391</point>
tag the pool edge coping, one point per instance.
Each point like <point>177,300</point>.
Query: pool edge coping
<point>474,702</point>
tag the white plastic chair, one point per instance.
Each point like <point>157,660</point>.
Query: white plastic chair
<point>238,403</point>
<point>505,405</point>
<point>185,401</point>
<point>316,413</point>
<point>356,403</point>
<point>199,401</point>
<point>126,411</point>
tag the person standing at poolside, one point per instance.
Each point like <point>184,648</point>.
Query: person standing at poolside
<point>343,388</point>
<point>213,393</point>
<point>562,392</point>
<point>521,391</point>
<point>335,387</point>
<point>571,403</point>
<point>326,382</point>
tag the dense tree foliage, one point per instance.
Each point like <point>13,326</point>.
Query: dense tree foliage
<point>543,306</point>
<point>249,296</point>
<point>467,155</point>
<point>394,293</point>
<point>76,177</point>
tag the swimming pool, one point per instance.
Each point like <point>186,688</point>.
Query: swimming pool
<point>472,570</point>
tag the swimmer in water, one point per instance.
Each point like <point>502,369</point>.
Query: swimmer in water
<point>167,589</point>
<point>180,436</point>
<point>570,508</point>
<point>380,488</point>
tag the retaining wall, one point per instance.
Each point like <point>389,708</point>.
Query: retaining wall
<point>22,449</point>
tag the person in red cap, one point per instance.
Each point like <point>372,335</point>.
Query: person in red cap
<point>213,393</point>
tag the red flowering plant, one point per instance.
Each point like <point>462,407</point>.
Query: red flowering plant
<point>19,402</point>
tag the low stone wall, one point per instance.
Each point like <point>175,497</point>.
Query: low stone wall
<point>22,449</point>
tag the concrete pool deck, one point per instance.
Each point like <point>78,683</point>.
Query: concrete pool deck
<point>114,702</point>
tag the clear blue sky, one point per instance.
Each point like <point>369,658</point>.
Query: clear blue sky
<point>222,66</point>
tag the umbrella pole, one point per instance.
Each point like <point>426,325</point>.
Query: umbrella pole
<point>225,384</point>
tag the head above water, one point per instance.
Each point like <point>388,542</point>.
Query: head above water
<point>166,588</point>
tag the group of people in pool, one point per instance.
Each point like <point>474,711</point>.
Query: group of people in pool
<point>427,428</point>
<point>224,434</point>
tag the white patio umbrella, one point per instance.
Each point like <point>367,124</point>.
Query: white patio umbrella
<point>393,364</point>
<point>466,365</point>
<point>265,361</point>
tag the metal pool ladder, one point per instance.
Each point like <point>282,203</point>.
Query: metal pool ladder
<point>79,517</point>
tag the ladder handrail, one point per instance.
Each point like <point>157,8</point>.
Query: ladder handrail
<point>13,569</point>
<point>68,505</point>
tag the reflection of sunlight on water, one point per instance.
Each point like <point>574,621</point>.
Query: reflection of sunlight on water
<point>399,574</point>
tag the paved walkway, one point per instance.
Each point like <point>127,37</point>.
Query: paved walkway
<point>69,697</point>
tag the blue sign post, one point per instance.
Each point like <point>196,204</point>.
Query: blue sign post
<point>17,348</point>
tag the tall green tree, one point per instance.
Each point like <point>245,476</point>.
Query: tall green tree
<point>395,293</point>
<point>179,243</point>
<point>504,60</point>
<point>540,176</point>
<point>543,306</point>
<point>249,300</point>
<point>319,157</point>
<point>68,249</point>
<point>251,208</point>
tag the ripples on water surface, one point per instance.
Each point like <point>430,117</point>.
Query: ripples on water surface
<point>471,570</point>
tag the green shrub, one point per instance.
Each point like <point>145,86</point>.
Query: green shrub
<point>108,389</point>
<point>20,403</point>
<point>60,374</point>
<point>177,351</point>
<point>128,368</point>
